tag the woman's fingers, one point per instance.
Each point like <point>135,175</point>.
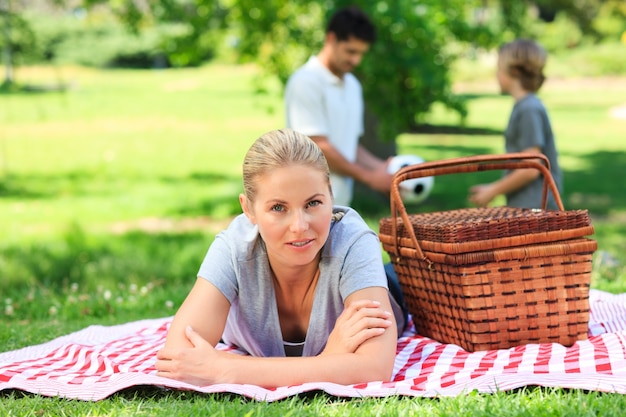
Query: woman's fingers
<point>189,365</point>
<point>359,322</point>
<point>195,339</point>
<point>365,313</point>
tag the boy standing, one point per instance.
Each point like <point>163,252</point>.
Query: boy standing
<point>520,74</point>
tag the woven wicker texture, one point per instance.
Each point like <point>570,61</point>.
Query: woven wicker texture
<point>464,230</point>
<point>492,278</point>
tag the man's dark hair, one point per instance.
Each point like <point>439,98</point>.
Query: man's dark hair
<point>352,21</point>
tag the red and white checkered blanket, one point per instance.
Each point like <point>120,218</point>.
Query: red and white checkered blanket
<point>96,362</point>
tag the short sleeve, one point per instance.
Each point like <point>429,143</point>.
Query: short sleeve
<point>218,267</point>
<point>363,266</point>
<point>530,129</point>
<point>305,106</point>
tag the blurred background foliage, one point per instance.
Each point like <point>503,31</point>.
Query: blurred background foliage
<point>408,70</point>
<point>89,271</point>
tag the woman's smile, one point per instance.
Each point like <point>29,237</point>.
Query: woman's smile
<point>301,243</point>
<point>293,210</point>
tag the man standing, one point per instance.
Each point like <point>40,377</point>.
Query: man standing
<point>324,100</point>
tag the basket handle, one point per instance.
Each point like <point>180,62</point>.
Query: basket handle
<point>460,165</point>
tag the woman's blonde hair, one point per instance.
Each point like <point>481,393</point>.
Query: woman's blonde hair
<point>524,59</point>
<point>280,148</point>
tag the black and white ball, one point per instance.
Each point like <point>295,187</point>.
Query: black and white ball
<point>415,190</point>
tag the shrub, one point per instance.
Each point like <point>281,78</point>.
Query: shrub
<point>98,39</point>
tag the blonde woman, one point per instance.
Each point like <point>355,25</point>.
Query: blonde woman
<point>294,281</point>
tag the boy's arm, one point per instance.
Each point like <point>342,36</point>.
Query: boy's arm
<point>483,194</point>
<point>518,178</point>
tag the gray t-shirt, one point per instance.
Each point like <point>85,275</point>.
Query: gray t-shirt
<point>529,126</point>
<point>237,264</point>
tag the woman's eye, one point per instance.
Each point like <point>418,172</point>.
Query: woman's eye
<point>314,203</point>
<point>277,207</point>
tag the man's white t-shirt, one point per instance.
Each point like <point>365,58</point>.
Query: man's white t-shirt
<point>318,103</point>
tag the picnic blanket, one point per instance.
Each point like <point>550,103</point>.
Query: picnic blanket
<point>98,361</point>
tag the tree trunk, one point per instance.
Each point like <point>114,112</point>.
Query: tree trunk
<point>365,199</point>
<point>7,61</point>
<point>7,53</point>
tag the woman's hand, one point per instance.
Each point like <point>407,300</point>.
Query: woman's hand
<point>359,322</point>
<point>197,365</point>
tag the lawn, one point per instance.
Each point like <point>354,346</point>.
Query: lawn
<point>112,189</point>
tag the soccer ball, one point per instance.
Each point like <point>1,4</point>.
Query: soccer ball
<point>415,190</point>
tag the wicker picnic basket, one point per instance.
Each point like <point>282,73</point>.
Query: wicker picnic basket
<point>492,278</point>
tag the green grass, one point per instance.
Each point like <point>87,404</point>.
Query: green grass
<point>527,402</point>
<point>127,145</point>
<point>111,191</point>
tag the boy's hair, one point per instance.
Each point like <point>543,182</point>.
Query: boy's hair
<point>352,21</point>
<point>524,59</point>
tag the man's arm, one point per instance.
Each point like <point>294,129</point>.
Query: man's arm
<point>367,159</point>
<point>367,169</point>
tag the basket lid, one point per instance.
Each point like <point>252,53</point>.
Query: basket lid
<point>497,226</point>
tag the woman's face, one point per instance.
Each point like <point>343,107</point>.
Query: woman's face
<point>293,210</point>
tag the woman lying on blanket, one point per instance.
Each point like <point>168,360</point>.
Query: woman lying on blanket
<point>293,281</point>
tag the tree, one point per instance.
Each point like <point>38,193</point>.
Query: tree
<point>16,36</point>
<point>407,69</point>
<point>582,14</point>
<point>196,27</point>
<point>7,50</point>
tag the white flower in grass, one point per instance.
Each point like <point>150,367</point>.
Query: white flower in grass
<point>107,295</point>
<point>8,309</point>
<point>52,310</point>
<point>119,300</point>
<point>74,287</point>
<point>169,304</point>
<point>144,290</point>
<point>8,301</point>
<point>132,288</point>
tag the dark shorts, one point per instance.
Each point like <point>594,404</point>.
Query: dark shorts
<point>395,290</point>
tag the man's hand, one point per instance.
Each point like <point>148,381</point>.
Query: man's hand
<point>379,179</point>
